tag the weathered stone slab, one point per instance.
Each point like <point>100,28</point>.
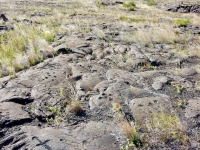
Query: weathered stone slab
<point>11,113</point>
<point>193,108</point>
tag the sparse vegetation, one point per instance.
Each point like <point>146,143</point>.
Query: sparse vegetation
<point>161,128</point>
<point>133,141</point>
<point>56,114</point>
<point>61,92</point>
<point>98,3</point>
<point>182,22</point>
<point>123,48</point>
<point>22,47</point>
<point>76,107</point>
<point>197,85</point>
<point>125,57</point>
<point>53,110</point>
<point>130,5</point>
<point>180,103</point>
<point>117,109</point>
<point>166,128</point>
<point>125,18</point>
<point>179,88</point>
<point>151,2</point>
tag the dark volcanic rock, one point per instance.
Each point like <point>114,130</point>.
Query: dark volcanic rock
<point>6,27</point>
<point>192,29</point>
<point>12,114</point>
<point>2,16</point>
<point>108,69</point>
<point>86,136</point>
<point>183,8</point>
<point>110,2</point>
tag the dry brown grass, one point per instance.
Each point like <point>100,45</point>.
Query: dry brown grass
<point>195,19</point>
<point>130,131</point>
<point>163,128</point>
<point>159,34</point>
<point>22,47</point>
<point>86,13</point>
<point>160,128</point>
<point>76,107</point>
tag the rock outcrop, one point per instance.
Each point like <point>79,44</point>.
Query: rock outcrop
<point>79,98</point>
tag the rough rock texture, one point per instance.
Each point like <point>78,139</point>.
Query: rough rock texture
<point>87,136</point>
<point>144,106</point>
<point>37,109</point>
<point>111,2</point>
<point>159,82</point>
<point>193,109</point>
<point>12,113</point>
<point>183,8</point>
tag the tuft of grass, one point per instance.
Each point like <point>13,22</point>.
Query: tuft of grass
<point>129,130</point>
<point>179,89</point>
<point>126,57</point>
<point>165,34</point>
<point>99,3</point>
<point>151,2</point>
<point>99,33</point>
<point>117,108</point>
<point>61,92</point>
<point>161,128</point>
<point>130,5</point>
<point>182,22</point>
<point>85,30</point>
<point>56,114</point>
<point>167,128</point>
<point>76,107</point>
<point>53,110</point>
<point>137,19</point>
<point>125,18</point>
<point>22,47</point>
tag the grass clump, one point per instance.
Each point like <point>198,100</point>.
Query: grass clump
<point>117,108</point>
<point>130,5</point>
<point>99,3</point>
<point>53,110</point>
<point>129,130</point>
<point>167,128</point>
<point>182,22</point>
<point>76,107</point>
<point>126,57</point>
<point>151,2</point>
<point>165,34</point>
<point>179,88</point>
<point>24,46</point>
<point>125,18</point>
<point>136,19</point>
<point>61,92</point>
<point>56,114</point>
